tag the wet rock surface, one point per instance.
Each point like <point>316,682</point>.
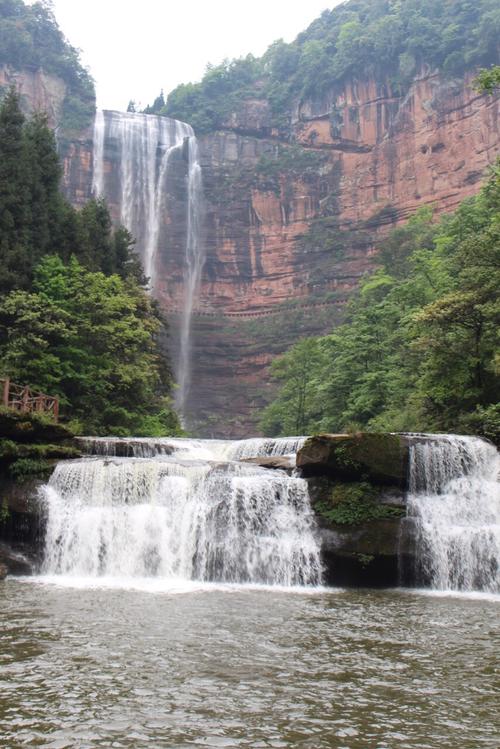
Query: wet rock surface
<point>378,458</point>
<point>357,485</point>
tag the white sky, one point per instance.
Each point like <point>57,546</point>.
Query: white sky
<point>134,48</point>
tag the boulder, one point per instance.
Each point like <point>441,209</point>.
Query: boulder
<point>277,462</point>
<point>13,562</point>
<point>22,522</point>
<point>377,458</point>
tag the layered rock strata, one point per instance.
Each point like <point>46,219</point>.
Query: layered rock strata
<point>294,220</point>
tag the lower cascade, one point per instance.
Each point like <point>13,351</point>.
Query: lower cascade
<point>194,514</point>
<point>455,500</point>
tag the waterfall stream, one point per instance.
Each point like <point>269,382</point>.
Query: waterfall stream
<point>455,499</point>
<point>196,514</point>
<point>143,146</point>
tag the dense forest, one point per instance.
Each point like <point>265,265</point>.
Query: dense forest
<point>30,39</point>
<point>390,39</point>
<point>75,317</point>
<point>419,350</point>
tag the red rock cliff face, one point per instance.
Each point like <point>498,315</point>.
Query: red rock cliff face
<point>43,92</point>
<point>285,248</point>
<point>292,226</point>
<point>39,91</point>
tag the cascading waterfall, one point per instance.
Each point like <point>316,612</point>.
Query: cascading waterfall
<point>144,146</point>
<point>180,517</point>
<point>145,447</point>
<point>455,499</point>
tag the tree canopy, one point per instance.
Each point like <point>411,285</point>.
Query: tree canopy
<point>488,80</point>
<point>390,39</point>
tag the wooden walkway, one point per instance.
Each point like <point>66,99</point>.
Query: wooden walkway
<point>21,398</point>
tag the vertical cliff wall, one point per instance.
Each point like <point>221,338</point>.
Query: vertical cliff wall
<point>291,225</point>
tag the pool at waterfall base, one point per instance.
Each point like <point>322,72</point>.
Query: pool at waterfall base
<point>216,666</point>
<point>180,604</point>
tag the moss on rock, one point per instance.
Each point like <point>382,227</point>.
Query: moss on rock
<point>373,457</point>
<point>32,428</point>
<point>355,503</point>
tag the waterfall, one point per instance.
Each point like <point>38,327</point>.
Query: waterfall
<point>145,447</point>
<point>181,517</point>
<point>143,146</point>
<point>195,259</point>
<point>455,500</point>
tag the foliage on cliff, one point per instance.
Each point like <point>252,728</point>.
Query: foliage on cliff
<point>31,39</point>
<point>420,347</point>
<point>75,319</point>
<point>488,80</point>
<point>390,39</point>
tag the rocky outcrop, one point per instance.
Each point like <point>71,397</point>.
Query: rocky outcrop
<point>31,428</point>
<point>381,459</point>
<point>30,447</point>
<point>293,221</point>
<point>21,524</point>
<point>39,91</point>
<point>293,224</point>
<point>358,484</point>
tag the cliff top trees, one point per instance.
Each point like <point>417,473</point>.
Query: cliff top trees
<point>30,38</point>
<point>382,38</point>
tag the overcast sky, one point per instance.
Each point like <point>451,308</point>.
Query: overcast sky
<point>134,48</point>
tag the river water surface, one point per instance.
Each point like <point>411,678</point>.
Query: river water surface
<point>221,666</point>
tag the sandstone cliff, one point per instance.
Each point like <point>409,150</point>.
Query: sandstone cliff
<point>291,226</point>
<point>293,223</point>
<point>39,91</point>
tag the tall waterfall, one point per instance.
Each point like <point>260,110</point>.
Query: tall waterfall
<point>143,146</point>
<point>455,499</point>
<point>195,259</point>
<point>190,515</point>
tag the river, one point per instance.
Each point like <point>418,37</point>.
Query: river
<point>84,664</point>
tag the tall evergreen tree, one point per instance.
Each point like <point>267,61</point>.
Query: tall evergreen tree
<point>44,173</point>
<point>14,196</point>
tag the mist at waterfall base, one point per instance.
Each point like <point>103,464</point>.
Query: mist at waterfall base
<point>145,146</point>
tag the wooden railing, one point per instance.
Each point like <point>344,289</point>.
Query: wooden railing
<point>22,398</point>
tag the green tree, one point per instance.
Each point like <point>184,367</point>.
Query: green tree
<point>488,80</point>
<point>93,340</point>
<point>295,409</point>
<point>15,213</point>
